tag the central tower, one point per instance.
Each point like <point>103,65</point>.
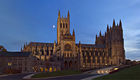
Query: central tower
<point>63,26</point>
<point>66,48</point>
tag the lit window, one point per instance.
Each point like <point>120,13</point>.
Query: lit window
<point>46,69</point>
<point>67,47</point>
<point>54,69</point>
<point>41,69</point>
<point>9,63</point>
<point>50,70</point>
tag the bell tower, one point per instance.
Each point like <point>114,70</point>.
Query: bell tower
<point>63,26</point>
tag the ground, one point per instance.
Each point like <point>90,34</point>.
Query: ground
<point>68,77</point>
<point>132,73</point>
<point>58,73</point>
<point>14,76</point>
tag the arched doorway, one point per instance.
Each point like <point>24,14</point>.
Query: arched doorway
<point>65,65</point>
<point>70,64</point>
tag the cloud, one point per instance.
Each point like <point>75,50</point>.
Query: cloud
<point>132,37</point>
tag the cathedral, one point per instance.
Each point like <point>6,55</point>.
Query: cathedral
<point>66,54</point>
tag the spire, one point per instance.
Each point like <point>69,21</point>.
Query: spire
<point>68,14</point>
<point>96,36</point>
<point>59,13</point>
<point>54,46</point>
<point>73,33</point>
<point>79,43</point>
<point>96,39</point>
<point>113,22</point>
<point>107,28</point>
<point>58,19</point>
<point>24,45</point>
<point>120,24</point>
<point>100,33</point>
<point>54,42</point>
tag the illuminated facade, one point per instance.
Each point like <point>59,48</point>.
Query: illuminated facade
<point>107,50</point>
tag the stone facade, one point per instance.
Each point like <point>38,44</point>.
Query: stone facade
<point>16,62</point>
<point>107,50</point>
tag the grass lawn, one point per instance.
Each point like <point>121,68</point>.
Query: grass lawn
<point>57,73</point>
<point>132,73</point>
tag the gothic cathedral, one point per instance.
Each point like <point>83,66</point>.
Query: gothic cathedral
<point>107,50</point>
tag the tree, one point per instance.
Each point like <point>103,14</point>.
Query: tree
<point>2,49</point>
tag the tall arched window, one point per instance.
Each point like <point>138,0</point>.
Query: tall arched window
<point>67,47</point>
<point>63,25</point>
<point>66,25</point>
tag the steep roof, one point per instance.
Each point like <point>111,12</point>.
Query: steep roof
<point>40,44</point>
<point>15,54</point>
<point>91,46</point>
<point>52,44</point>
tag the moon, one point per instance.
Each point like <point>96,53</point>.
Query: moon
<point>53,26</point>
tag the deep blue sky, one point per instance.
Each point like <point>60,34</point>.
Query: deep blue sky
<point>24,21</point>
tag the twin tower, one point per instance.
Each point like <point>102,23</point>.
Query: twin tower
<point>113,42</point>
<point>63,28</point>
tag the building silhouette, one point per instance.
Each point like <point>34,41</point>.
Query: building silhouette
<point>107,50</point>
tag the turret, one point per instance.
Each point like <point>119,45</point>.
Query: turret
<point>120,25</point>
<point>96,39</point>
<point>96,36</point>
<point>73,34</point>
<point>114,23</point>
<point>68,16</point>
<point>80,46</point>
<point>24,45</point>
<point>107,28</point>
<point>54,47</point>
<point>100,34</point>
<point>59,14</point>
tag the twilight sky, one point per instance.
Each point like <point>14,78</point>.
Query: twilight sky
<point>24,21</point>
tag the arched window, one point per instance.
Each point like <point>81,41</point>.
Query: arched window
<point>67,47</point>
<point>66,25</point>
<point>63,25</point>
